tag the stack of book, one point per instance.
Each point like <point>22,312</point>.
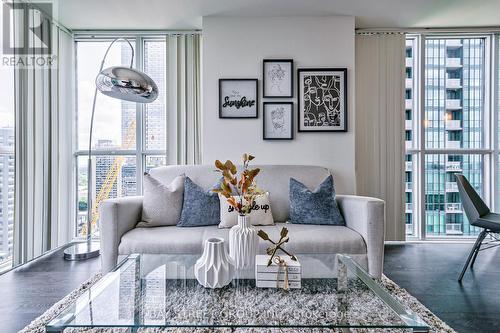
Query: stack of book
<point>273,276</point>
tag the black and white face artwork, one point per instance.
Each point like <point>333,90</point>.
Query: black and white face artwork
<point>322,101</point>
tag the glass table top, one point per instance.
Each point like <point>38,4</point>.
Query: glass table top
<point>160,291</point>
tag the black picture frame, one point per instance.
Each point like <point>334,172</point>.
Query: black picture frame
<point>253,115</point>
<point>342,95</point>
<point>264,78</point>
<point>264,116</point>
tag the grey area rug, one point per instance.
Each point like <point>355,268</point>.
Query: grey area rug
<point>436,324</point>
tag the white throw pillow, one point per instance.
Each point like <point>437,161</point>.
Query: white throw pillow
<point>162,204</point>
<point>260,215</point>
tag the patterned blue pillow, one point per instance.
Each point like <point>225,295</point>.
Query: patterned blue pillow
<point>318,207</point>
<point>199,208</point>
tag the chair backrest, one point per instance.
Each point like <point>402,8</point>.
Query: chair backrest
<point>473,205</point>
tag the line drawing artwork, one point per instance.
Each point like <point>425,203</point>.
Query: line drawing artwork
<point>321,96</point>
<point>276,75</point>
<point>278,120</point>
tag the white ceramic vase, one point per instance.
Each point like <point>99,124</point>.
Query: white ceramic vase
<point>243,243</point>
<point>215,268</point>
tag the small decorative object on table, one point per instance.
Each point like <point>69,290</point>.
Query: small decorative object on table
<point>282,273</point>
<point>215,269</point>
<point>273,271</point>
<point>243,239</point>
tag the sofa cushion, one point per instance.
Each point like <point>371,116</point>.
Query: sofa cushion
<point>314,207</point>
<point>199,207</point>
<point>309,239</point>
<point>261,213</point>
<point>162,204</point>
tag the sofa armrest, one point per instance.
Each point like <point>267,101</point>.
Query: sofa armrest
<point>117,216</point>
<point>367,216</point>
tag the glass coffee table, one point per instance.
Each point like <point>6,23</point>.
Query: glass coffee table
<point>159,291</point>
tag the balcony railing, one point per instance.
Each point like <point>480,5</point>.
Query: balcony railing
<point>451,187</point>
<point>453,208</point>
<point>453,125</point>
<point>453,63</point>
<point>408,207</point>
<point>408,83</point>
<point>454,229</point>
<point>453,104</point>
<point>408,166</point>
<point>409,228</point>
<point>408,124</point>
<point>452,144</point>
<point>408,104</point>
<point>453,43</point>
<point>453,83</point>
<point>453,166</point>
<point>408,187</point>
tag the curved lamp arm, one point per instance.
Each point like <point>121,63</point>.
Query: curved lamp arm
<point>95,92</point>
<point>89,162</point>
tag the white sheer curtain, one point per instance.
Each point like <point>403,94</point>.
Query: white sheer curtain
<point>184,98</point>
<point>43,172</point>
<point>380,73</point>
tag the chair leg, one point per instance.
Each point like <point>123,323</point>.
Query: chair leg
<point>473,253</point>
<point>483,234</point>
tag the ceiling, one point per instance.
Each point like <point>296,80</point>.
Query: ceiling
<point>187,14</point>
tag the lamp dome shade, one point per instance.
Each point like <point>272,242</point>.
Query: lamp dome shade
<point>127,84</point>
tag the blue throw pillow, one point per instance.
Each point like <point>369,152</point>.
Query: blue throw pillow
<point>199,208</point>
<point>318,207</point>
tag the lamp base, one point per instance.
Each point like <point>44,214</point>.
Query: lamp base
<point>82,251</point>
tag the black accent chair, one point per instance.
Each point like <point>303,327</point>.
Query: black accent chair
<point>479,215</point>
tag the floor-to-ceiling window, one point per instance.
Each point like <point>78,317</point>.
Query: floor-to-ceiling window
<point>6,166</point>
<point>448,131</point>
<point>129,138</point>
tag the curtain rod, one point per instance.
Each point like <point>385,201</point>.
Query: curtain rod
<point>118,32</point>
<point>456,30</point>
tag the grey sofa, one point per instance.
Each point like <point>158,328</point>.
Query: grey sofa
<point>362,238</point>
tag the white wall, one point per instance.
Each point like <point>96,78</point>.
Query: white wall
<point>234,47</point>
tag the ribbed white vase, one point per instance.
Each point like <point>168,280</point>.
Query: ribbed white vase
<point>215,268</point>
<point>243,243</point>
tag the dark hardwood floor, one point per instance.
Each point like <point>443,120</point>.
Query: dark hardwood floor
<point>428,271</point>
<point>27,292</point>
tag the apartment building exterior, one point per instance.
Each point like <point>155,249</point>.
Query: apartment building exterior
<point>452,121</point>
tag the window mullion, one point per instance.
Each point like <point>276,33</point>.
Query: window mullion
<point>140,146</point>
<point>421,140</point>
<point>495,87</point>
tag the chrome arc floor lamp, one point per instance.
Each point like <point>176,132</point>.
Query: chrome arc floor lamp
<point>124,83</point>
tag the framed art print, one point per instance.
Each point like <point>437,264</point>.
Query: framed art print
<point>277,78</point>
<point>238,98</point>
<point>278,121</point>
<point>322,99</point>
